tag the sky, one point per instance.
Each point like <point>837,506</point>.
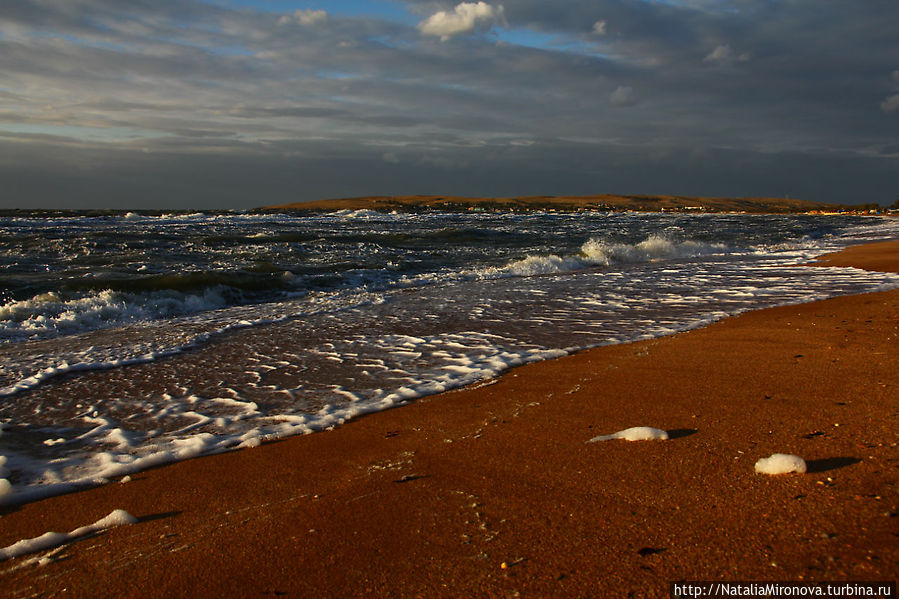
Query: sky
<point>242,103</point>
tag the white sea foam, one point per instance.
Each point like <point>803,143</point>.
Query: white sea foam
<point>360,214</point>
<point>48,314</point>
<point>51,540</point>
<point>348,353</point>
<point>95,360</point>
<point>462,359</point>
<point>598,252</point>
<point>635,433</point>
<point>654,247</point>
<point>781,463</point>
<point>65,368</point>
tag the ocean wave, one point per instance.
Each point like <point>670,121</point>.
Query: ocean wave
<point>256,277</point>
<point>599,252</point>
<point>361,214</point>
<point>49,314</point>
<point>259,238</point>
<point>370,327</point>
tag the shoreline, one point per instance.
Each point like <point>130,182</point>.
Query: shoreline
<point>434,498</point>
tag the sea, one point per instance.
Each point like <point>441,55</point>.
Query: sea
<point>130,340</point>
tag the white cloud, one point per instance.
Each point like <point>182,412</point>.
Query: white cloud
<point>305,17</point>
<point>623,96</point>
<point>725,55</point>
<point>599,28</point>
<point>891,104</point>
<point>465,18</point>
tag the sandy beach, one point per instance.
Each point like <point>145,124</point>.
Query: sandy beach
<point>493,490</point>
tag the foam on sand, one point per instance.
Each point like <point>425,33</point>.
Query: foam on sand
<point>635,433</point>
<point>780,463</point>
<point>50,540</point>
<point>5,485</point>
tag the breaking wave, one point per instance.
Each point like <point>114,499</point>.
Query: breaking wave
<point>49,314</point>
<point>598,252</point>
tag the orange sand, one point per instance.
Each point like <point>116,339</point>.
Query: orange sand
<point>493,490</point>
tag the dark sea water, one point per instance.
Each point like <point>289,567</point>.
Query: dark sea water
<point>129,340</point>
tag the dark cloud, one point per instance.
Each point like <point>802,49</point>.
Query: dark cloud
<point>164,102</point>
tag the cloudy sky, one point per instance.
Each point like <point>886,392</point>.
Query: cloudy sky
<point>241,103</point>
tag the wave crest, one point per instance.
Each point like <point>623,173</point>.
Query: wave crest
<point>48,314</point>
<point>598,252</point>
<point>654,247</point>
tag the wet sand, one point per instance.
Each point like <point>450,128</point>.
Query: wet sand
<point>493,490</point>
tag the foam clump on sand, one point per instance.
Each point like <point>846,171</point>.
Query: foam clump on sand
<point>780,463</point>
<point>5,485</point>
<point>635,433</point>
<point>50,540</point>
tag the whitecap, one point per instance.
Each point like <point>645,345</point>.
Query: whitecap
<point>599,252</point>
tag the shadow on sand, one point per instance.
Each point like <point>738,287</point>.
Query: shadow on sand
<point>827,464</point>
<point>680,433</point>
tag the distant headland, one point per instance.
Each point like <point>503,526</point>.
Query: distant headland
<point>602,202</point>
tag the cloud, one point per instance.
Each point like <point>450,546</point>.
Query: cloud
<point>891,104</point>
<point>465,18</point>
<point>216,88</point>
<point>305,17</point>
<point>725,55</point>
<point>623,96</point>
